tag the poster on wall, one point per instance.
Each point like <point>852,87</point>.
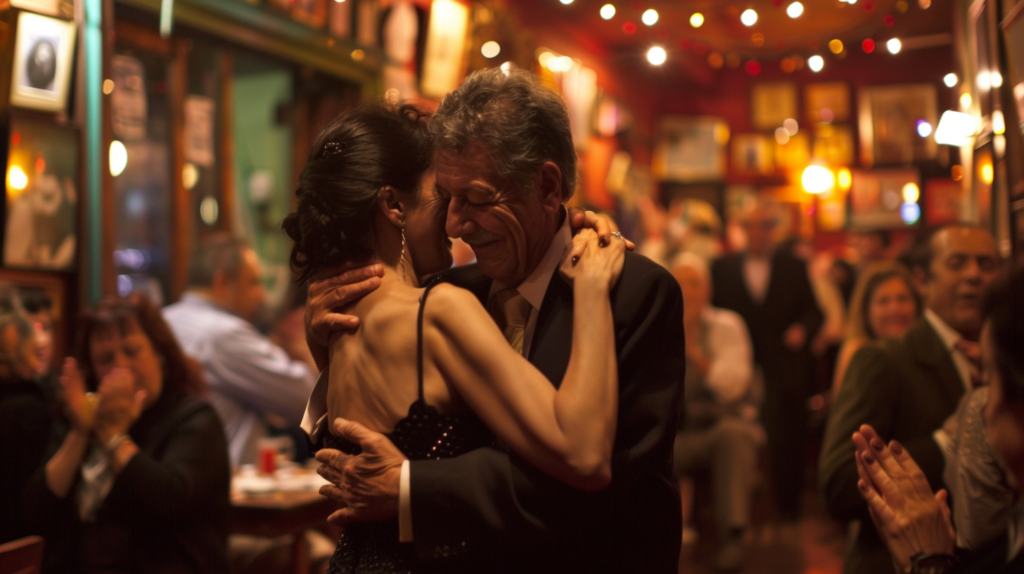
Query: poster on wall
<point>890,122</point>
<point>446,41</point>
<point>43,59</point>
<point>690,148</point>
<point>771,104</point>
<point>401,35</point>
<point>339,19</point>
<point>128,100</point>
<point>41,226</point>
<point>943,201</point>
<point>367,22</point>
<point>198,132</point>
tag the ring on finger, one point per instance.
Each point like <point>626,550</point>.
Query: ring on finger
<point>617,235</point>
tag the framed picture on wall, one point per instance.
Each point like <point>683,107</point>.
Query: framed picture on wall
<point>48,7</point>
<point>795,153</point>
<point>43,59</point>
<point>833,144</point>
<point>876,197</point>
<point>771,104</point>
<point>827,102</point>
<point>753,154</point>
<point>367,22</point>
<point>42,170</point>
<point>889,118</point>
<point>690,148</point>
<point>54,288</point>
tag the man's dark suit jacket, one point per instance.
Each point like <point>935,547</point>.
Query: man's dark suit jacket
<point>905,389</point>
<point>788,299</point>
<point>496,513</point>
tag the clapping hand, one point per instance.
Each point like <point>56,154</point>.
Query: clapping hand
<point>366,485</point>
<point>120,404</point>
<point>81,406</point>
<point>909,517</point>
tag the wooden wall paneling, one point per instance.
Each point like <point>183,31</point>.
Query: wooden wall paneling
<point>181,201</point>
<point>226,119</point>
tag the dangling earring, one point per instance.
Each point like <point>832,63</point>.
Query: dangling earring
<point>401,257</point>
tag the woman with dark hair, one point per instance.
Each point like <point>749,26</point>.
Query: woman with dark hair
<point>425,361</point>
<point>884,305</point>
<point>140,482</point>
<point>914,522</point>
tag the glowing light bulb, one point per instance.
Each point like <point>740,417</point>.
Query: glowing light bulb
<point>656,55</point>
<point>818,179</point>
<point>649,17</point>
<point>490,49</point>
<point>995,78</point>
<point>697,20</point>
<point>998,122</point>
<point>911,193</point>
<point>950,80</point>
<point>816,63</point>
<point>566,2</point>
<point>16,178</point>
<point>118,158</point>
<point>607,11</point>
<point>845,179</point>
<point>894,46</point>
<point>986,173</point>
<point>748,17</point>
<point>795,9</point>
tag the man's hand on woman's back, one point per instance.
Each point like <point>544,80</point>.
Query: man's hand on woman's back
<point>328,298</point>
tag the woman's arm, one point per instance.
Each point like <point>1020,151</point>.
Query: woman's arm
<point>62,468</point>
<point>566,432</point>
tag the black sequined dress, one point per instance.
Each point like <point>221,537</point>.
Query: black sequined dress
<point>425,433</point>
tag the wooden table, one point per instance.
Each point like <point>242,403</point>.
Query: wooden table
<point>281,513</point>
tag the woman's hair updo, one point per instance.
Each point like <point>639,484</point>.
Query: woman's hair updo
<point>364,150</point>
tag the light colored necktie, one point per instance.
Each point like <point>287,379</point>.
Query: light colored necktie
<point>511,310</point>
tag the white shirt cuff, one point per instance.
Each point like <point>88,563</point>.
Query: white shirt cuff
<point>404,506</point>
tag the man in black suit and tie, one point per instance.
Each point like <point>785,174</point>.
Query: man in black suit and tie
<point>906,388</point>
<point>772,292</point>
<point>506,164</point>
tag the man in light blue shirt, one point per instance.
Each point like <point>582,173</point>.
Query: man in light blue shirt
<point>250,378</point>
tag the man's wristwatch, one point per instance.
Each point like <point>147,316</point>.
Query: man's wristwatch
<point>922,563</point>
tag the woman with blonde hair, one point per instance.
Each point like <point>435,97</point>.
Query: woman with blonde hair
<point>884,305</point>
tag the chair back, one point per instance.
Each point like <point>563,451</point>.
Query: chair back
<point>24,556</point>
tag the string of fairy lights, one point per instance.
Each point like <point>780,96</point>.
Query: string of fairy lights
<point>658,54</point>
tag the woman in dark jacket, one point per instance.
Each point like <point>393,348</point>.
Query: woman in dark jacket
<point>141,481</point>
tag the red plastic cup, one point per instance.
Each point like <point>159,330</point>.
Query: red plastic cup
<point>267,459</point>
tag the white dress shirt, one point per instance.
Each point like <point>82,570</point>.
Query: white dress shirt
<point>757,272</point>
<point>248,375</point>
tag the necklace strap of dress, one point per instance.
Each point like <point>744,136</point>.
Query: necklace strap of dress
<point>419,341</point>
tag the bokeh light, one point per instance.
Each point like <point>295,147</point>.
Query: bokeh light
<point>607,11</point>
<point>656,55</point>
<point>748,17</point>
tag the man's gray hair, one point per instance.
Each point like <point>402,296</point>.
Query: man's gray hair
<point>220,252</point>
<point>519,122</point>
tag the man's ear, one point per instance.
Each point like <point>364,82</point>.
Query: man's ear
<point>921,280</point>
<point>551,193</point>
<point>392,206</point>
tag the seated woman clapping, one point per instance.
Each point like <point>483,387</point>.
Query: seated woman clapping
<point>140,483</point>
